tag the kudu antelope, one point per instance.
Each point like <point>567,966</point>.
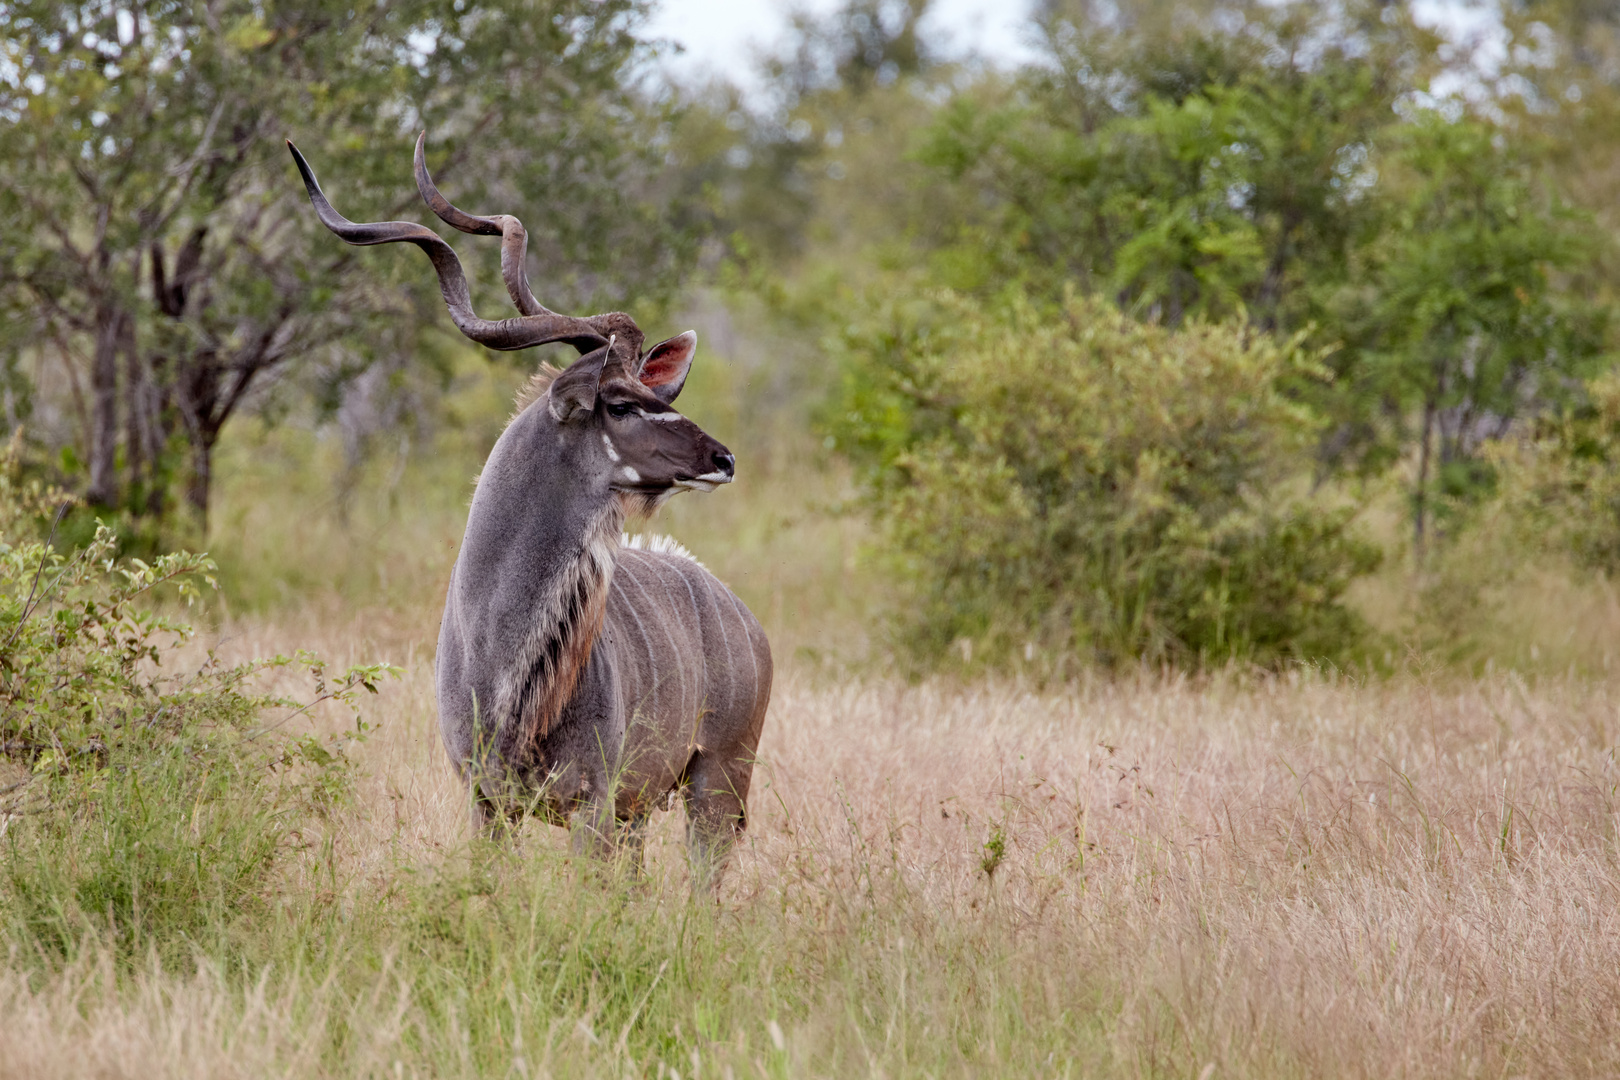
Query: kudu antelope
<point>577,675</point>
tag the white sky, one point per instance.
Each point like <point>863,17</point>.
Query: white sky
<point>722,36</point>
<point>725,36</point>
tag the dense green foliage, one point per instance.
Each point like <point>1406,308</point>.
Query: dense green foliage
<point>1191,176</point>
<point>1080,482</point>
<point>1225,171</point>
<point>1466,310</point>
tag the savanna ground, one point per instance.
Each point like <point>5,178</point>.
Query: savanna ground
<point>1150,874</point>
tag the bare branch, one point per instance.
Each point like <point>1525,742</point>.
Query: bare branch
<point>183,175</point>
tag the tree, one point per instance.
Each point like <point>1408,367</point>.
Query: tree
<point>1283,165</point>
<point>152,230</point>
<point>820,154</point>
<point>1466,309</point>
<point>1182,167</point>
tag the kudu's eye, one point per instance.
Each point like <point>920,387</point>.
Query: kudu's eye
<point>620,408</point>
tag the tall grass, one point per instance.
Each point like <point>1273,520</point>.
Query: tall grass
<point>1236,876</point>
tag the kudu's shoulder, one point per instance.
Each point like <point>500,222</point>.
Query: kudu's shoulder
<point>668,613</point>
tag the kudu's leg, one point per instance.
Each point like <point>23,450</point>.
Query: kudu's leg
<point>633,841</point>
<point>490,819</point>
<point>593,820</point>
<point>484,816</point>
<point>716,796</point>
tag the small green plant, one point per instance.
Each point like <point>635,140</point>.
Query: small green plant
<point>1054,481</point>
<point>138,800</point>
<point>995,849</point>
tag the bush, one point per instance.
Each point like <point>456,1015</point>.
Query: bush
<point>1561,486</point>
<point>135,803</point>
<point>1071,481</point>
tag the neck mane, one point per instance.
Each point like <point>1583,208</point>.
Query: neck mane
<point>567,617</point>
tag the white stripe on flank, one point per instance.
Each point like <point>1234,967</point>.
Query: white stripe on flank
<point>697,621</point>
<point>674,646</point>
<point>645,639</point>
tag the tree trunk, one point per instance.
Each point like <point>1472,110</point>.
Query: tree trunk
<point>197,484</point>
<point>1271,288</point>
<point>137,438</point>
<point>196,395</point>
<point>103,490</point>
<point>1420,499</point>
<point>161,427</point>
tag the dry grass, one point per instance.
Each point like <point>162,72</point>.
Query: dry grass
<point>1351,881</point>
<point>1232,877</point>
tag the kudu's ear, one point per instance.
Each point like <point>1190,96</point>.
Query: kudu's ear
<point>664,370</point>
<point>573,393</point>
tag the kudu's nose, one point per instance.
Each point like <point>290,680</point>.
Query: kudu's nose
<point>725,462</point>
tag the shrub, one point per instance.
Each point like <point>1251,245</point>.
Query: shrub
<point>1561,486</point>
<point>146,804</point>
<point>1070,480</point>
